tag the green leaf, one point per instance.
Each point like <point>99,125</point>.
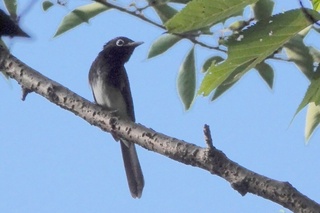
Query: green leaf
<point>202,13</point>
<point>316,4</point>
<point>298,53</point>
<point>165,12</point>
<point>315,54</point>
<point>254,45</point>
<point>210,62</point>
<point>312,119</point>
<point>312,95</point>
<point>238,25</point>
<point>187,80</point>
<point>263,9</point>
<point>266,72</point>
<point>46,5</point>
<point>11,6</point>
<point>80,15</point>
<point>162,44</point>
<point>227,84</point>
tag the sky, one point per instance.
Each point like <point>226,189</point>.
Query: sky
<point>53,161</point>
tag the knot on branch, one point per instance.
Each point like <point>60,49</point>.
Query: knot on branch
<point>241,186</point>
<point>113,122</point>
<point>51,92</point>
<point>25,92</point>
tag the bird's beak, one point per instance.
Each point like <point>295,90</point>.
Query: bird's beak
<point>135,43</point>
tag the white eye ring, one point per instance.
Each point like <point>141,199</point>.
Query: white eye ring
<point>119,42</point>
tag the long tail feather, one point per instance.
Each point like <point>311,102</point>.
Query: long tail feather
<point>132,168</point>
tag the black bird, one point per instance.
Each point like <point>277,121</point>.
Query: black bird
<point>8,27</point>
<point>110,87</point>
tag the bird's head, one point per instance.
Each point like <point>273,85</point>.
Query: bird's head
<point>119,50</point>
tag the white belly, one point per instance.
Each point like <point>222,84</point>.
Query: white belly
<point>109,97</point>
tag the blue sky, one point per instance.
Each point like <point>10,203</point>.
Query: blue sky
<point>53,161</point>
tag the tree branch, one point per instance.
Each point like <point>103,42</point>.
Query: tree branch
<point>133,13</point>
<point>212,160</point>
<point>143,18</point>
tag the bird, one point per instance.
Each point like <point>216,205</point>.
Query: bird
<point>111,89</point>
<point>8,27</point>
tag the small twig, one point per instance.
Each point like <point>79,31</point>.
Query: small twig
<point>207,136</point>
<point>28,8</point>
<point>205,45</point>
<point>25,92</point>
<point>279,59</point>
<point>133,13</point>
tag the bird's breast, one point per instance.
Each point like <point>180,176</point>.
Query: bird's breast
<point>109,96</point>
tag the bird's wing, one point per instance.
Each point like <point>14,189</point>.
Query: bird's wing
<point>92,73</point>
<point>126,93</point>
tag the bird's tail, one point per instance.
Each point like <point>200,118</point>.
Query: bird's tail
<point>133,168</point>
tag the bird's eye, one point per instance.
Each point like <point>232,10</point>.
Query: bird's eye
<point>119,42</point>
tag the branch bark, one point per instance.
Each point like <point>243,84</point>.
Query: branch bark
<point>211,159</point>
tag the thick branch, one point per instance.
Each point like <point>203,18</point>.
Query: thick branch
<point>212,160</point>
